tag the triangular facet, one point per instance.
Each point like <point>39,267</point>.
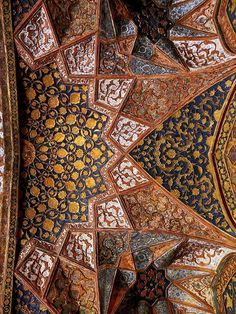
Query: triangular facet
<point>177,274</point>
<point>165,259</point>
<point>140,240</point>
<point>39,42</point>
<point>210,254</point>
<point>155,99</point>
<point>122,283</point>
<point>152,208</point>
<point>106,278</point>
<point>126,45</point>
<point>143,67</point>
<point>202,18</point>
<point>175,293</point>
<point>182,31</point>
<point>112,92</point>
<point>126,261</point>
<point>201,287</point>
<point>107,30</point>
<point>163,248</point>
<point>178,11</point>
<point>181,308</point>
<point>146,50</point>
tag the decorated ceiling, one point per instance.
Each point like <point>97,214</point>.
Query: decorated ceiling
<point>118,156</point>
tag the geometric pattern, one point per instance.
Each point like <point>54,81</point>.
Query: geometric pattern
<point>127,157</point>
<point>55,161</point>
<point>180,163</point>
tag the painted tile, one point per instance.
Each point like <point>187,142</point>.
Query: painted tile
<point>37,268</point>
<point>24,299</point>
<point>149,207</point>
<point>141,67</point>
<point>201,254</point>
<point>107,30</point>
<point>126,175</point>
<point>112,92</point>
<point>187,309</point>
<point>80,57</point>
<point>72,19</point>
<point>72,289</point>
<point>80,248</point>
<point>126,131</point>
<point>178,274</point>
<point>106,277</point>
<point>202,18</point>
<point>201,287</point>
<point>110,246</point>
<point>175,293</point>
<point>181,31</point>
<point>179,11</point>
<point>111,214</point>
<point>112,62</point>
<point>161,307</point>
<point>37,34</point>
<point>141,240</point>
<point>158,156</point>
<point>209,52</point>
<point>152,99</point>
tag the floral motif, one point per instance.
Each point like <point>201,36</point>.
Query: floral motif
<point>226,21</point>
<point>225,157</point>
<point>111,214</point>
<point>229,296</point>
<point>111,61</point>
<point>73,289</point>
<point>112,92</point>
<point>81,57</point>
<point>73,18</point>
<point>26,302</point>
<point>199,54</point>
<point>20,8</point>
<point>173,155</point>
<point>201,254</point>
<point>37,35</point>
<point>127,176</point>
<point>110,246</point>
<point>57,184</point>
<point>153,99</point>
<point>126,131</point>
<point>37,269</point>
<point>200,286</point>
<point>150,208</point>
<point>151,284</point>
<point>80,248</point>
<point>177,12</point>
<point>225,272</point>
<point>75,240</point>
<point>202,18</point>
<point>28,153</point>
<point>175,293</point>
